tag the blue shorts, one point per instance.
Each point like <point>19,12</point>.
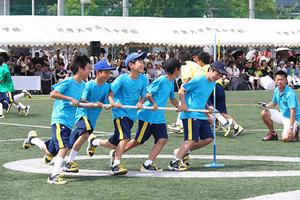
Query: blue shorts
<point>60,138</point>
<point>145,130</point>
<point>123,127</point>
<point>82,126</point>
<point>7,96</point>
<point>220,99</point>
<point>4,104</point>
<point>196,128</point>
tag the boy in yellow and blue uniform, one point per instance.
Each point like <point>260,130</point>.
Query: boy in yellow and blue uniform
<point>95,91</point>
<point>153,122</point>
<point>63,118</point>
<point>194,95</point>
<point>128,89</point>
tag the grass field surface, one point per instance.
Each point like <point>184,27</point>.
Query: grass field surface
<point>241,105</point>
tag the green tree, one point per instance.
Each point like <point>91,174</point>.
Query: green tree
<point>240,8</point>
<point>23,7</point>
<point>285,13</point>
<point>264,9</point>
<point>174,8</point>
<point>95,8</point>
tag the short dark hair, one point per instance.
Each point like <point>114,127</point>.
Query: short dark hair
<point>196,52</point>
<point>280,73</point>
<point>170,65</point>
<point>4,56</point>
<point>79,61</point>
<point>184,56</point>
<point>204,57</point>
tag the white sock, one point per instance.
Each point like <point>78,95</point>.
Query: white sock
<point>19,96</point>
<point>22,106</point>
<point>116,162</point>
<point>72,156</point>
<point>15,105</point>
<point>179,121</point>
<point>96,142</point>
<point>222,119</point>
<point>38,142</point>
<point>236,126</point>
<point>57,165</point>
<point>1,109</point>
<point>148,162</point>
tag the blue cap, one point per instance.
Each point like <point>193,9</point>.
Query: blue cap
<point>133,56</point>
<point>219,66</point>
<point>102,65</point>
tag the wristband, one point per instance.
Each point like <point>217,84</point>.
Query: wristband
<point>291,127</point>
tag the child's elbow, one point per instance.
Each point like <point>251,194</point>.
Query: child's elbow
<point>52,94</point>
<point>148,95</point>
<point>181,92</point>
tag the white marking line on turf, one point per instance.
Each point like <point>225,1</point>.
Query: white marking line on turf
<point>102,133</point>
<point>21,139</point>
<point>278,196</point>
<point>36,166</point>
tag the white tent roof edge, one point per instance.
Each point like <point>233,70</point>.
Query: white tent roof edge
<point>33,31</point>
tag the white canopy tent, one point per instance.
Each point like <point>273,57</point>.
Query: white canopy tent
<point>33,31</point>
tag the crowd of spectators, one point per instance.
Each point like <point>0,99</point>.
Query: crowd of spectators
<point>257,71</point>
<point>244,72</point>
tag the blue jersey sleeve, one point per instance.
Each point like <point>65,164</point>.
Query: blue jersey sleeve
<point>62,86</point>
<point>86,92</point>
<point>144,88</point>
<point>193,84</point>
<point>172,95</point>
<point>116,85</point>
<point>154,87</point>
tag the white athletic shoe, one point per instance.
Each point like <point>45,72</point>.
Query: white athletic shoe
<point>26,94</point>
<point>227,127</point>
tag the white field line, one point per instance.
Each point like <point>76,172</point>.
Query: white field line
<point>101,133</point>
<point>278,196</point>
<point>36,166</point>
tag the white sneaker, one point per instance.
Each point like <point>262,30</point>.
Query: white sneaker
<point>175,127</point>
<point>26,94</point>
<point>227,127</point>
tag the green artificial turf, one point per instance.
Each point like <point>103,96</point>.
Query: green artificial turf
<point>241,105</point>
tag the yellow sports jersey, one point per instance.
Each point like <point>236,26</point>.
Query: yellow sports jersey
<point>192,69</point>
<point>205,69</point>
